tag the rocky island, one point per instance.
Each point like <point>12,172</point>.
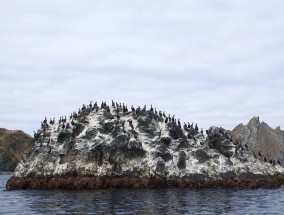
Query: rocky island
<point>105,146</point>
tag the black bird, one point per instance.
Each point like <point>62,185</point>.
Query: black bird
<point>132,109</point>
<point>164,115</point>
<point>151,109</point>
<point>265,159</point>
<point>173,118</point>
<point>166,120</point>
<point>185,127</point>
<point>278,161</point>
<point>259,154</point>
<point>201,131</point>
<point>156,111</point>
<point>179,123</point>
<point>270,161</point>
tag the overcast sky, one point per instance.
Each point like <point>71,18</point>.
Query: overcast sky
<point>211,62</point>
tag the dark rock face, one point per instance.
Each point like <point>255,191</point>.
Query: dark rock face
<point>175,131</point>
<point>135,149</point>
<point>183,144</point>
<point>13,145</point>
<point>63,136</point>
<point>79,128</point>
<point>91,133</point>
<point>166,141</point>
<point>147,125</point>
<point>218,141</point>
<point>182,160</point>
<point>166,156</point>
<point>106,127</point>
<point>202,156</point>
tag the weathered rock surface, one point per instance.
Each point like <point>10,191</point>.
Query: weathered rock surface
<point>102,150</point>
<point>13,145</point>
<point>260,138</point>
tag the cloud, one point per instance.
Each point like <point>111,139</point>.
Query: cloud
<point>212,62</point>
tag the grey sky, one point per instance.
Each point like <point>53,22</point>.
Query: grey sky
<point>212,62</point>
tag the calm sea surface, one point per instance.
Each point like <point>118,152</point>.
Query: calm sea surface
<point>141,201</point>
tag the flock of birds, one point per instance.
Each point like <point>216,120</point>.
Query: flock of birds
<point>158,116</point>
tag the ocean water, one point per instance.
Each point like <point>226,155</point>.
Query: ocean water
<point>141,201</point>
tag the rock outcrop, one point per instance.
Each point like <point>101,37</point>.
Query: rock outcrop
<point>265,142</point>
<point>13,145</point>
<point>111,147</point>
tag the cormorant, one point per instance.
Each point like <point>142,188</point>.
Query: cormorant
<point>151,109</point>
<point>90,105</point>
<point>179,123</point>
<point>185,127</point>
<point>278,161</point>
<point>166,120</point>
<point>173,118</point>
<point>45,120</point>
<point>156,111</point>
<point>132,109</point>
<point>112,103</point>
<point>196,127</point>
<point>259,154</point>
<point>164,115</point>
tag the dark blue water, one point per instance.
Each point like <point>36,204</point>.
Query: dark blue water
<point>143,201</point>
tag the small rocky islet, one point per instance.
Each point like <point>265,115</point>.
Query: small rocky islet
<point>103,146</point>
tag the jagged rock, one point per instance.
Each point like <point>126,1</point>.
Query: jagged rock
<point>175,131</point>
<point>79,128</point>
<point>182,160</point>
<point>192,132</point>
<point>221,143</point>
<point>259,137</point>
<point>63,136</point>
